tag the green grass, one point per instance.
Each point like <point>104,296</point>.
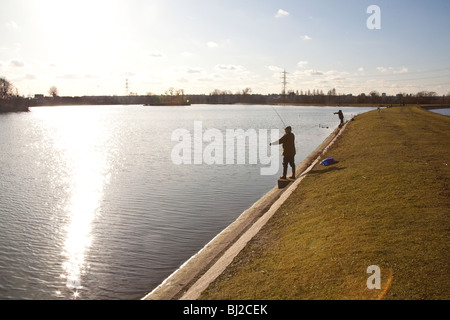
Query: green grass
<point>385,202</point>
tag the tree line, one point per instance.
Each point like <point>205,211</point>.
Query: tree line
<point>10,101</point>
<point>332,97</point>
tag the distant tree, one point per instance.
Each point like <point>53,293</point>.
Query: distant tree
<point>246,91</point>
<point>426,94</point>
<point>53,91</point>
<point>216,92</point>
<point>361,98</point>
<point>170,91</point>
<point>6,88</point>
<point>375,96</point>
<point>332,92</point>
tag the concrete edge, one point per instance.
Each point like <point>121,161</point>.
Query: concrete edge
<point>195,275</point>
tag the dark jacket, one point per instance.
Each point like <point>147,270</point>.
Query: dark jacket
<point>288,142</point>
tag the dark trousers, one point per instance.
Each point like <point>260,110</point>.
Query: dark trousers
<point>288,160</point>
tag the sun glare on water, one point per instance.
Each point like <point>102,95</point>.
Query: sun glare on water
<point>80,145</point>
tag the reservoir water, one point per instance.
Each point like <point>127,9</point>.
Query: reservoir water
<point>443,111</point>
<point>93,207</point>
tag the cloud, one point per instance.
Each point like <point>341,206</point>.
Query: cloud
<point>156,54</point>
<point>17,63</point>
<point>187,54</point>
<point>302,64</point>
<point>275,68</point>
<point>70,76</point>
<point>281,14</point>
<point>182,80</point>
<point>312,72</point>
<point>210,77</point>
<point>11,25</point>
<point>212,44</point>
<point>306,37</point>
<point>74,76</point>
<point>361,69</point>
<point>128,74</point>
<point>228,67</point>
<point>185,69</point>
<point>90,76</point>
<point>384,69</point>
<point>192,70</point>
<point>205,79</point>
<point>393,70</point>
<point>402,70</point>
<point>30,76</point>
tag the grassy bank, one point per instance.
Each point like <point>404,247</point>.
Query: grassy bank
<point>385,202</point>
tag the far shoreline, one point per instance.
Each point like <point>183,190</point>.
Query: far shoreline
<point>356,105</point>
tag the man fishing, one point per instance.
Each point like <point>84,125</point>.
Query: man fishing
<point>341,117</point>
<point>288,142</point>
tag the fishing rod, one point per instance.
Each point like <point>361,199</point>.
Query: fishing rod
<point>279,116</point>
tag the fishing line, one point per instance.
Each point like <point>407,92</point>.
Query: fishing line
<point>279,116</point>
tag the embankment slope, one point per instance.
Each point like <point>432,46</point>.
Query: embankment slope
<point>385,202</point>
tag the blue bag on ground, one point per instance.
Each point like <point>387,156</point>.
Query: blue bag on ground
<point>328,161</point>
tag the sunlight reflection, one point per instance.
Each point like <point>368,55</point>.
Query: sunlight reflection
<point>81,145</point>
<point>86,193</point>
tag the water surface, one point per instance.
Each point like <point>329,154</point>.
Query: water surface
<point>92,207</point>
<point>443,111</point>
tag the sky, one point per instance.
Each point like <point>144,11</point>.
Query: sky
<point>92,47</point>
